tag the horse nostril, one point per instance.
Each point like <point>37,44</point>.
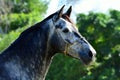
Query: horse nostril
<point>90,54</point>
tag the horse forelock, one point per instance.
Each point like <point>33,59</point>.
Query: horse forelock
<point>67,18</point>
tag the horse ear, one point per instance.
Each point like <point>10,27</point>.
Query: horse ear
<point>68,12</point>
<point>59,13</point>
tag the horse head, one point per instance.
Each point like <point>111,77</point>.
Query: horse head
<point>66,38</point>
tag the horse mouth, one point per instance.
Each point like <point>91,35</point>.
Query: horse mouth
<point>85,59</point>
<point>76,51</point>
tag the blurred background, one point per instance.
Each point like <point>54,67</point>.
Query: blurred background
<point>97,20</point>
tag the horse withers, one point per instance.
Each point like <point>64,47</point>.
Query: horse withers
<point>29,56</point>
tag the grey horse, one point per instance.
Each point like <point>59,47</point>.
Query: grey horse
<point>29,56</point>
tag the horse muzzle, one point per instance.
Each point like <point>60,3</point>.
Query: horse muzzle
<point>83,51</point>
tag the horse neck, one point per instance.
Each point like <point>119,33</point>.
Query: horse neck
<point>32,51</point>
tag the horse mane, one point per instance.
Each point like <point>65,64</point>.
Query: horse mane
<point>37,25</point>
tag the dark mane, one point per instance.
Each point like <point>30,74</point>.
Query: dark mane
<point>37,25</point>
<point>49,17</point>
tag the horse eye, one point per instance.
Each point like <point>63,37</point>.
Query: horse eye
<point>65,30</point>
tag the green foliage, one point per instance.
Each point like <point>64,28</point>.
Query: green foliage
<point>26,6</point>
<point>23,13</point>
<point>64,67</point>
<point>20,20</point>
<point>5,40</point>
